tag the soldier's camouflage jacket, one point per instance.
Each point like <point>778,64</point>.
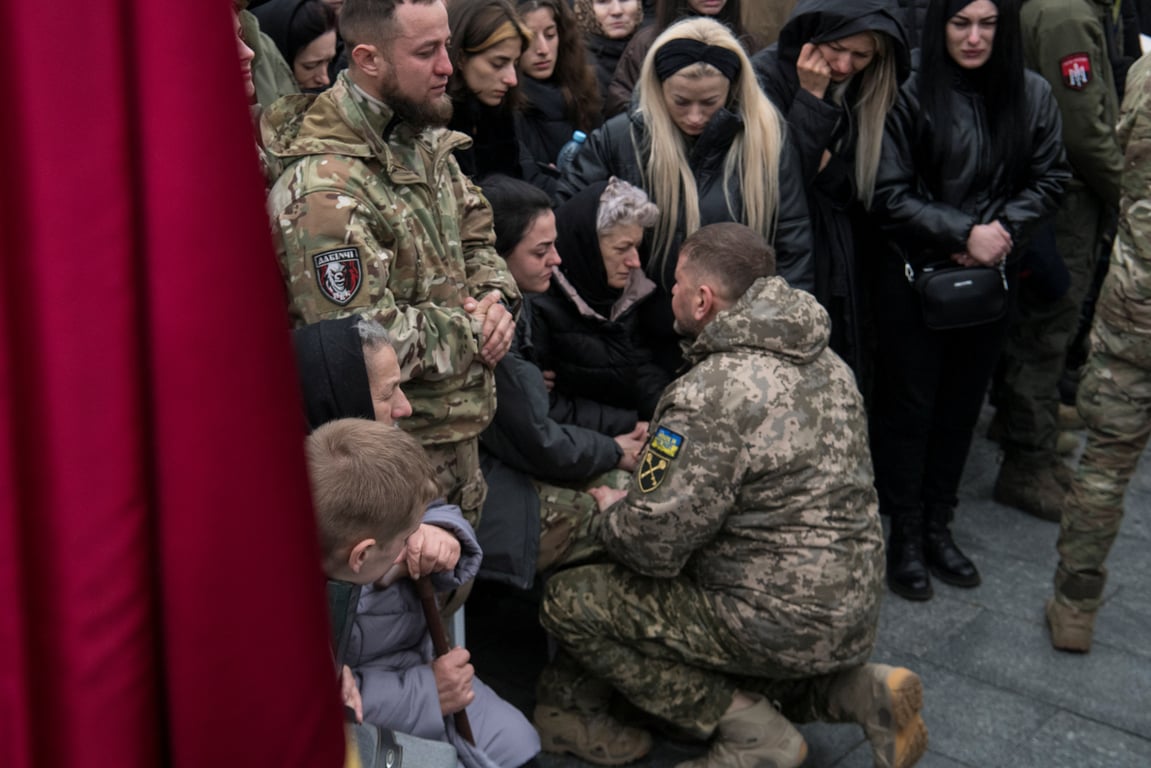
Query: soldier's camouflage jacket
<point>374,218</point>
<point>757,484</point>
<point>1124,310</point>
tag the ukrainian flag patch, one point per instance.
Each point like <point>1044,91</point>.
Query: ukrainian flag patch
<point>666,443</point>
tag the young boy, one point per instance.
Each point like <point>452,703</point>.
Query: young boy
<point>371,486</point>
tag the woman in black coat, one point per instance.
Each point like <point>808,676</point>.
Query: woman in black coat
<point>488,39</point>
<point>586,326</point>
<point>972,161</point>
<point>560,95</point>
<point>834,74</point>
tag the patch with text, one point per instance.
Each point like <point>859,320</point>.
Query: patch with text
<point>339,273</point>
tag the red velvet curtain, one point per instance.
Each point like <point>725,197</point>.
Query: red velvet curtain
<point>161,601</point>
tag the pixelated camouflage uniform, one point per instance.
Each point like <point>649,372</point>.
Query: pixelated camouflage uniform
<point>1068,42</point>
<point>358,182</point>
<point>1115,392</point>
<point>748,549</point>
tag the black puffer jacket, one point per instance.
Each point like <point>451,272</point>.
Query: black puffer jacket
<point>927,201</point>
<point>542,128</point>
<point>817,125</point>
<point>548,436</point>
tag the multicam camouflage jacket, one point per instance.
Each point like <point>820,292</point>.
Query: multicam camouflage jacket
<point>757,484</point>
<point>372,217</point>
<point>1124,307</point>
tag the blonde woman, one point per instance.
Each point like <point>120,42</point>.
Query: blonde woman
<point>707,146</point>
<point>834,75</point>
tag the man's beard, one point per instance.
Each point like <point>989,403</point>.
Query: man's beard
<point>419,115</point>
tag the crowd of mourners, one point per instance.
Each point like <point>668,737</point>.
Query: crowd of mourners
<point>655,307</point>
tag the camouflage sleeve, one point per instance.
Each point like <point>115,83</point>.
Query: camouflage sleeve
<point>684,487</point>
<point>337,258</point>
<point>1071,54</point>
<point>486,271</point>
<point>1125,300</point>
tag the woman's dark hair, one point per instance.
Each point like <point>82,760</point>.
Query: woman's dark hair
<point>515,205</point>
<point>667,12</point>
<point>574,74</point>
<point>1000,82</point>
<point>476,26</point>
<point>293,25</point>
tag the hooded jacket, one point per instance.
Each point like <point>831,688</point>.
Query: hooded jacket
<point>763,490</point>
<point>819,125</point>
<point>390,653</point>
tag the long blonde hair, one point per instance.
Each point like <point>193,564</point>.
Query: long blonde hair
<point>753,155</point>
<point>878,89</point>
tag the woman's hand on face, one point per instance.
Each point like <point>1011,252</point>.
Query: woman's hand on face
<point>814,73</point>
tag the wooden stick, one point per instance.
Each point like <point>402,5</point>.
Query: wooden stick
<point>440,644</point>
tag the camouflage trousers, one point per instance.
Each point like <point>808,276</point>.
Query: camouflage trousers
<point>457,467</point>
<point>1115,402</point>
<point>1037,342</point>
<point>567,517</point>
<point>659,643</point>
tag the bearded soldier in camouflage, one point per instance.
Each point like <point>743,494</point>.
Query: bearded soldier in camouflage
<point>373,216</point>
<point>748,551</point>
<point>1115,391</point>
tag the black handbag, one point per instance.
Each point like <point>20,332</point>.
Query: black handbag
<point>959,297</point>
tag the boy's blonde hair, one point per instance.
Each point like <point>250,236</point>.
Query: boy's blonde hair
<point>369,481</point>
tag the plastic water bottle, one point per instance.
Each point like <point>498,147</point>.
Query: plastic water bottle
<point>568,151</point>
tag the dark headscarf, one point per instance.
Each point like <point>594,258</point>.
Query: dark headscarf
<point>333,377</point>
<point>578,244</point>
<point>820,21</point>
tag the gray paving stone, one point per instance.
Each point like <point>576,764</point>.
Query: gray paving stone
<point>860,757</point>
<point>915,628</point>
<point>1015,654</point>
<point>974,721</point>
<point>1069,741</point>
<point>1124,622</point>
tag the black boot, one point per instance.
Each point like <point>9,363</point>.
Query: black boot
<point>906,570</point>
<point>946,562</point>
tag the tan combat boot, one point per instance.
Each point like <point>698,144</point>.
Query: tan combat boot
<point>753,737</point>
<point>599,739</point>
<point>1071,612</point>
<point>1071,628</point>
<point>1036,486</point>
<point>887,702</point>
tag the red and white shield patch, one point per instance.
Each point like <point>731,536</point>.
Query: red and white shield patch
<point>339,274</point>
<point>1076,70</point>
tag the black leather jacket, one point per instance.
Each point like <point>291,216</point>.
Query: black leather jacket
<point>927,203</point>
